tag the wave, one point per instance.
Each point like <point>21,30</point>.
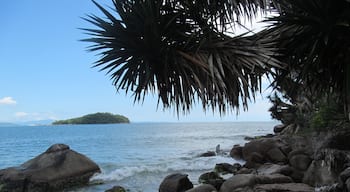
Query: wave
<point>183,165</point>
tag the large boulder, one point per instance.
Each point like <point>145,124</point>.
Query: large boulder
<point>211,178</point>
<point>250,180</point>
<point>176,182</point>
<point>116,189</point>
<point>203,188</point>
<point>57,168</point>
<point>300,162</point>
<point>285,187</point>
<point>263,150</point>
<point>236,152</point>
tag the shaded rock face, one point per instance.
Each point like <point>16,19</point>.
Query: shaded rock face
<point>56,169</point>
<point>116,189</point>
<point>263,150</point>
<point>203,188</point>
<point>285,187</point>
<point>175,183</point>
<point>236,152</point>
<point>211,178</point>
<point>250,180</point>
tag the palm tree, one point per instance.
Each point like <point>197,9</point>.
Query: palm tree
<point>313,39</point>
<point>181,50</point>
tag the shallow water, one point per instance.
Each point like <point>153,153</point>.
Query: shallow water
<point>136,156</point>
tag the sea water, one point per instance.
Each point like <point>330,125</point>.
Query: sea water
<point>136,156</point>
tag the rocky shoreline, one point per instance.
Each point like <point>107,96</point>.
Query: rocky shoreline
<point>284,161</point>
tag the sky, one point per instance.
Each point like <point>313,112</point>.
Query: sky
<point>46,72</point>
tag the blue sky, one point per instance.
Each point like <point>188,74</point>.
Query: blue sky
<point>45,71</point>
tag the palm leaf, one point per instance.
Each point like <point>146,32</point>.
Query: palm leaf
<point>162,47</point>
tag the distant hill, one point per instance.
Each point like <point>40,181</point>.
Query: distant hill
<point>96,118</point>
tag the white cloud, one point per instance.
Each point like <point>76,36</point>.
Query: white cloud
<point>7,101</point>
<point>34,116</point>
<point>21,114</point>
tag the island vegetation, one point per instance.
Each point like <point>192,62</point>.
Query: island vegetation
<point>96,118</point>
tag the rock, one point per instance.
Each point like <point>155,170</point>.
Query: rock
<point>225,168</point>
<point>300,162</point>
<point>260,147</point>
<point>238,181</point>
<point>275,155</point>
<point>211,178</point>
<point>208,154</point>
<point>116,189</point>
<point>236,152</point>
<point>175,183</point>
<point>56,169</point>
<point>237,166</point>
<point>285,187</point>
<point>203,188</point>
<point>254,160</point>
<point>269,168</point>
<point>245,170</point>
<point>278,128</point>
<point>250,180</point>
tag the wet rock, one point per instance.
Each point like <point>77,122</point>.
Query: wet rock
<point>225,168</point>
<point>211,178</point>
<point>175,183</point>
<point>236,152</point>
<point>116,189</point>
<point>203,188</point>
<point>208,154</point>
<point>56,169</point>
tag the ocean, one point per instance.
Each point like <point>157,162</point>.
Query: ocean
<point>137,156</point>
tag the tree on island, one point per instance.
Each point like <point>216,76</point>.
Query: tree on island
<point>185,51</point>
<point>96,118</point>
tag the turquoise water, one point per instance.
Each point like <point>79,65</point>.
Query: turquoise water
<point>136,156</point>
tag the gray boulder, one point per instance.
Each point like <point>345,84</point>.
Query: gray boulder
<point>261,150</point>
<point>175,183</point>
<point>116,189</point>
<point>300,161</point>
<point>211,178</point>
<point>250,180</point>
<point>285,187</point>
<point>57,168</point>
<point>203,188</point>
<point>236,152</point>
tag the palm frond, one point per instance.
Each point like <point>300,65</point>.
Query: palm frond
<point>159,46</point>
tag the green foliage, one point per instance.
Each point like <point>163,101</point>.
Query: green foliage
<point>327,116</point>
<point>96,118</point>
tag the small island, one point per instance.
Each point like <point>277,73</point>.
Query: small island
<point>96,118</point>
